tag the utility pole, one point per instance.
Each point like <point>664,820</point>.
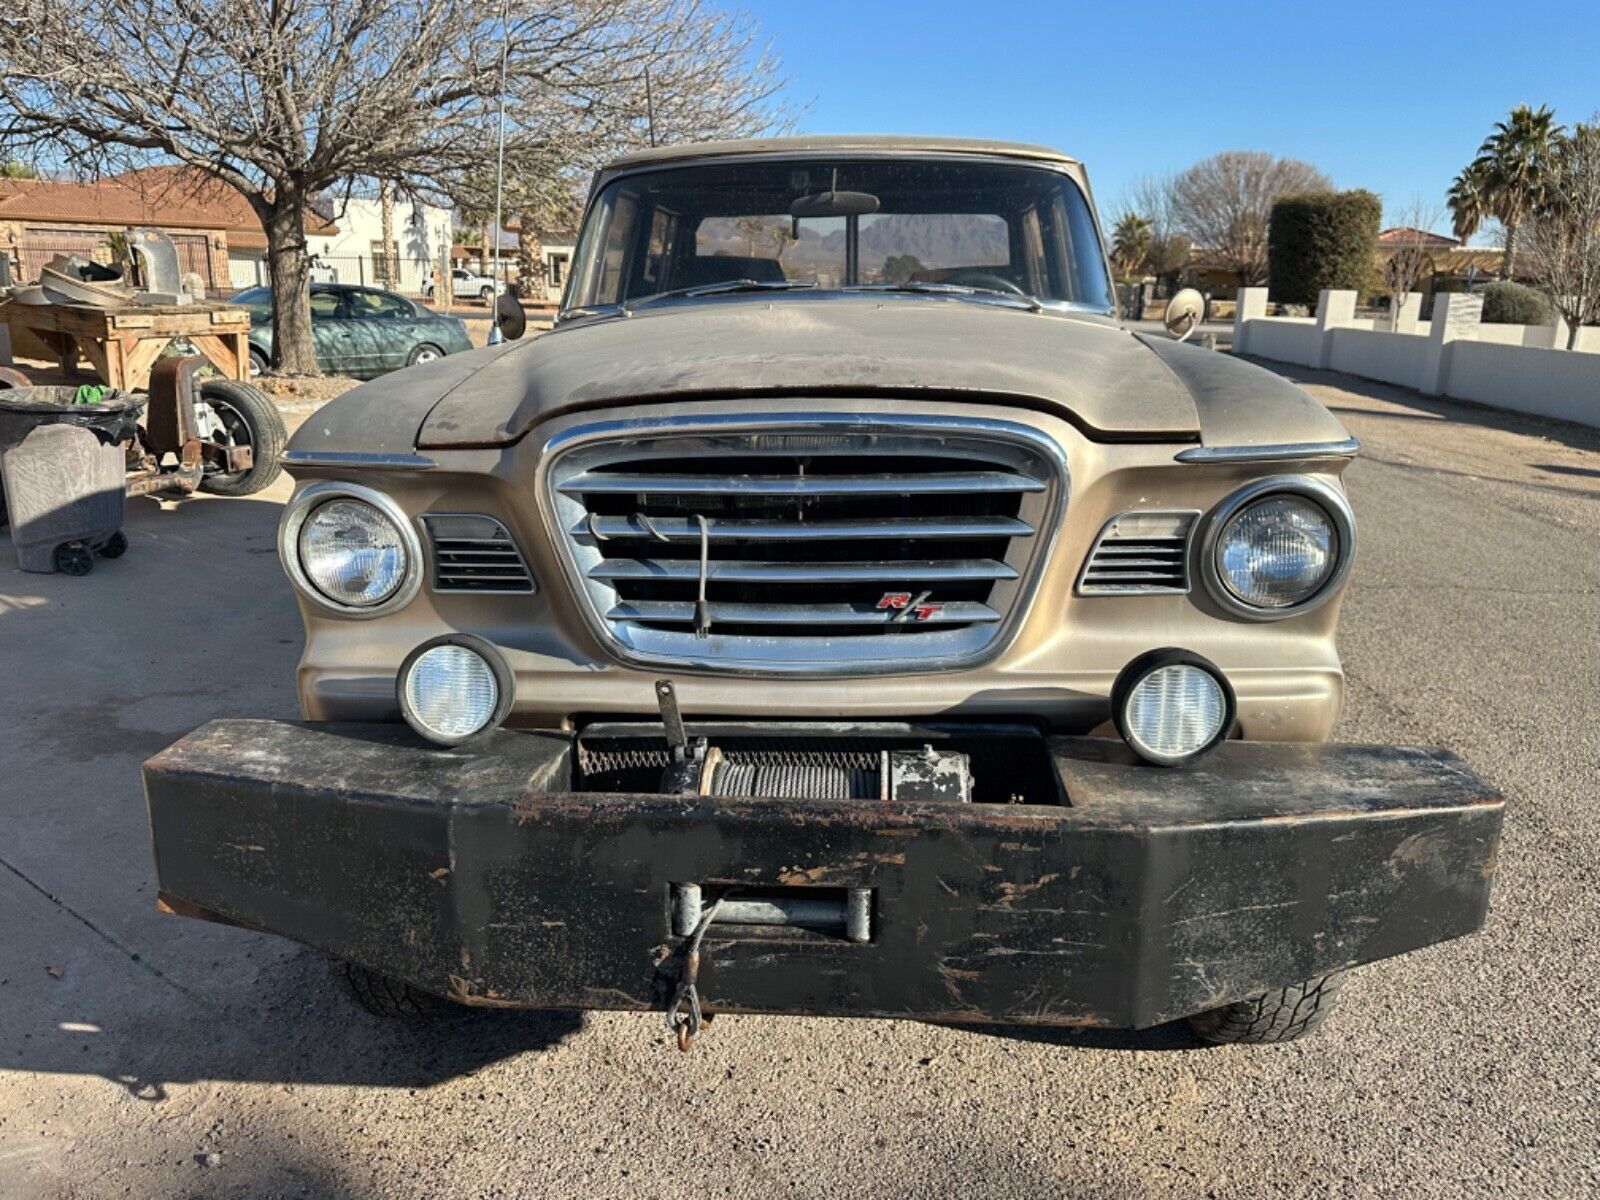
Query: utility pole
<point>495,336</point>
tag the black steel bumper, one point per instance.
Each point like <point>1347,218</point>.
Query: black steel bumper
<point>1150,894</point>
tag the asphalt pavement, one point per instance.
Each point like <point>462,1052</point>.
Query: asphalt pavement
<point>148,1056</point>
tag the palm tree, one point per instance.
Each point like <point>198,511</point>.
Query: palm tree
<point>1517,162</point>
<point>1469,202</point>
<point>1130,243</point>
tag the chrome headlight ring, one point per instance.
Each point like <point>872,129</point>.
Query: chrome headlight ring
<point>1329,499</point>
<point>313,498</point>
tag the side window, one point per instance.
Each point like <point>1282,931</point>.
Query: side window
<point>620,229</point>
<point>325,306</point>
<point>368,306</point>
<point>663,234</point>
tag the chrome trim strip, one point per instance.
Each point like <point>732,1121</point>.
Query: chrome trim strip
<point>1348,448</point>
<point>954,570</point>
<point>682,613</point>
<point>1330,499</point>
<point>604,483</point>
<point>318,494</point>
<point>878,655</point>
<point>372,462</point>
<point>1085,588</point>
<point>681,529</point>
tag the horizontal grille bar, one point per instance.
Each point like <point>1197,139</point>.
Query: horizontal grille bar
<point>680,529</point>
<point>922,484</point>
<point>945,571</point>
<point>682,613</point>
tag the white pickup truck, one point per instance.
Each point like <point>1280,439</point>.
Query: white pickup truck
<point>468,285</point>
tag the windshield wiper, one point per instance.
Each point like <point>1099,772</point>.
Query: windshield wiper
<point>727,287</point>
<point>920,287</point>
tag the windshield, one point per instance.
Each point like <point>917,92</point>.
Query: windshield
<point>831,224</point>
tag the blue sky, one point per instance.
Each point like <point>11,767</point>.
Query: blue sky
<point>1392,97</point>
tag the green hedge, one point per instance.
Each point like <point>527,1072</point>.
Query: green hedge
<point>1507,303</point>
<point>1321,240</point>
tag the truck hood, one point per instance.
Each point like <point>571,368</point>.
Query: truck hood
<point>1114,385</point>
<point>1091,373</point>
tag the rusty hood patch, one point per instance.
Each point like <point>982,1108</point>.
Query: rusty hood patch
<point>1085,370</point>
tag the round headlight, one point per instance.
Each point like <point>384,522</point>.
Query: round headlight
<point>352,553</point>
<point>1277,552</point>
<point>454,689</point>
<point>1171,706</point>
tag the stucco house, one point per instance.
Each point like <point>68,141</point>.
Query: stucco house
<point>213,227</point>
<point>352,251</point>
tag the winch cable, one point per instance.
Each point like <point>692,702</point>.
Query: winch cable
<point>684,1017</point>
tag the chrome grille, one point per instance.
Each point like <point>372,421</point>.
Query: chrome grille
<point>1140,553</point>
<point>474,553</point>
<point>833,544</point>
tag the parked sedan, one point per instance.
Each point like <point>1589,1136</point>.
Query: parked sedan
<point>358,331</point>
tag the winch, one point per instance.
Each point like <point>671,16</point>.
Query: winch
<point>702,768</point>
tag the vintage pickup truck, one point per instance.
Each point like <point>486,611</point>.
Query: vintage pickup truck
<point>838,612</point>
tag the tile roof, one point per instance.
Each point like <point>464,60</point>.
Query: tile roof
<point>1406,235</point>
<point>164,197</point>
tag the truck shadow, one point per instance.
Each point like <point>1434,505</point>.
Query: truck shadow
<point>287,1023</point>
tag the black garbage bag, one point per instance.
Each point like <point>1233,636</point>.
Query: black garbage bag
<point>113,418</point>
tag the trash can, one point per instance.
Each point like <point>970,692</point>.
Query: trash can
<point>62,468</point>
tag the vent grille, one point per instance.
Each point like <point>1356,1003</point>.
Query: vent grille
<point>828,551</point>
<point>475,553</point>
<point>1140,553</point>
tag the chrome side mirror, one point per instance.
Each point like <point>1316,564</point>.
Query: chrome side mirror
<point>1184,313</point>
<point>509,317</point>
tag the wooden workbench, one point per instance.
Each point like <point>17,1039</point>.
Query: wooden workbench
<point>122,344</point>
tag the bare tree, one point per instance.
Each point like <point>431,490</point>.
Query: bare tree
<point>1563,239</point>
<point>1225,203</point>
<point>281,99</point>
<point>1153,198</point>
<point>1405,267</point>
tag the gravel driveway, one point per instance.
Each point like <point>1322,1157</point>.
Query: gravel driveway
<point>146,1056</point>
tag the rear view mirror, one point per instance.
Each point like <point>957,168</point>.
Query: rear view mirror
<point>834,204</point>
<point>509,318</point>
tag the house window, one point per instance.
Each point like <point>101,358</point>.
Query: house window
<point>558,270</point>
<point>385,267</point>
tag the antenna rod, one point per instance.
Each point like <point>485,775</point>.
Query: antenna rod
<point>649,106</point>
<point>495,336</point>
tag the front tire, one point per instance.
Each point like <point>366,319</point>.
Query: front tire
<point>258,363</point>
<point>250,419</point>
<point>390,998</point>
<point>486,295</point>
<point>425,353</point>
<point>1281,1016</point>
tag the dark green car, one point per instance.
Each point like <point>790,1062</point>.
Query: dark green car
<point>358,331</point>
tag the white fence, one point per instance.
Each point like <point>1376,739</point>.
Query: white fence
<point>1514,367</point>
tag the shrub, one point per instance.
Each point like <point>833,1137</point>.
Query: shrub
<point>1507,303</point>
<point>1321,240</point>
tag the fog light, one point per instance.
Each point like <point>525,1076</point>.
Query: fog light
<point>454,688</point>
<point>1171,706</point>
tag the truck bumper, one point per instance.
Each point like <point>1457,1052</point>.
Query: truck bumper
<point>1145,895</point>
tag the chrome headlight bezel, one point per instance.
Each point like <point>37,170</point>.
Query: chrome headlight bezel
<point>499,670</point>
<point>1150,663</point>
<point>1334,506</point>
<point>314,497</point>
